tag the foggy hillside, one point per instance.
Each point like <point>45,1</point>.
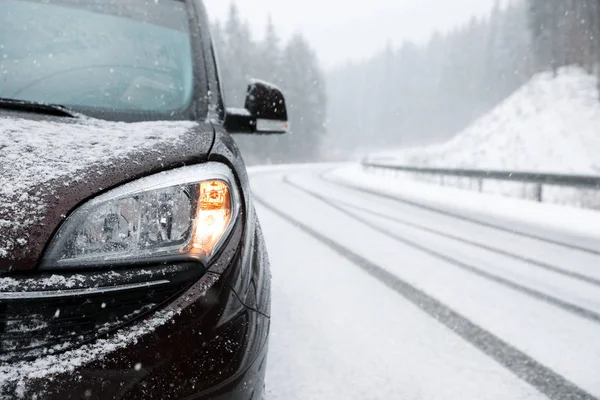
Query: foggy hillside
<point>538,128</point>
<point>413,95</point>
<point>407,95</point>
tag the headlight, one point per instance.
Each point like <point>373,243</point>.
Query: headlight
<point>185,213</point>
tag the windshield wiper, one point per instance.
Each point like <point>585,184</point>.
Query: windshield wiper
<point>35,107</point>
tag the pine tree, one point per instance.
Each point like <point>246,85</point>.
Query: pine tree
<point>270,56</point>
<point>238,59</point>
<point>565,32</point>
<point>306,99</point>
<point>219,41</point>
<point>544,26</point>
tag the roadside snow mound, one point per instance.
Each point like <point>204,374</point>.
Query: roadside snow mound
<point>551,124</point>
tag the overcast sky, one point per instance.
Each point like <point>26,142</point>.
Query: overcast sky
<point>342,30</point>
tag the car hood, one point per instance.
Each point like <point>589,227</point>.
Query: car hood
<point>48,166</point>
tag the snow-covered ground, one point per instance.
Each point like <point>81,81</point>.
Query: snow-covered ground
<point>376,298</point>
<point>581,224</point>
<point>552,124</point>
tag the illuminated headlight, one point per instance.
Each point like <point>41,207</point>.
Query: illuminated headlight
<point>185,213</point>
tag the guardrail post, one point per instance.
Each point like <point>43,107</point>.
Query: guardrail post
<point>539,192</point>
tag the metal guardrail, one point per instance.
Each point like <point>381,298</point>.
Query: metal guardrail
<point>537,178</point>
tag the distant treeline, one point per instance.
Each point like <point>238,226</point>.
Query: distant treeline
<point>414,94</point>
<point>294,67</point>
<point>406,94</point>
<point>565,32</point>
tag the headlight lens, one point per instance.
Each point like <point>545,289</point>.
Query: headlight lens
<point>184,213</point>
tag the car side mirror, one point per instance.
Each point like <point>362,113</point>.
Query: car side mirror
<point>265,111</point>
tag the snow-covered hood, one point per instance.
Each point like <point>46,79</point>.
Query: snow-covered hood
<point>48,166</point>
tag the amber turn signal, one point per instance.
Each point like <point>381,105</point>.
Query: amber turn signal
<point>212,216</point>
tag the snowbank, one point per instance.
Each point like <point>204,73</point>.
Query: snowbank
<point>551,124</point>
<point>572,225</point>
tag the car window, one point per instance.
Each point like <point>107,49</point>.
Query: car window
<point>112,55</point>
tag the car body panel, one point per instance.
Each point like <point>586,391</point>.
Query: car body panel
<point>206,339</point>
<point>212,344</point>
<point>64,162</point>
<point>257,284</point>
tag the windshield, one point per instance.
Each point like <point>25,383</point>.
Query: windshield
<point>106,58</point>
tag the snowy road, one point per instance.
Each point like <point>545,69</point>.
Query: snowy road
<point>376,298</point>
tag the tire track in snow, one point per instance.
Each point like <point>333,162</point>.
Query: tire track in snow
<point>518,257</point>
<point>457,215</point>
<point>548,382</point>
<point>577,310</point>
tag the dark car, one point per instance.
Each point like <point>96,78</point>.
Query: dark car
<point>132,264</point>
